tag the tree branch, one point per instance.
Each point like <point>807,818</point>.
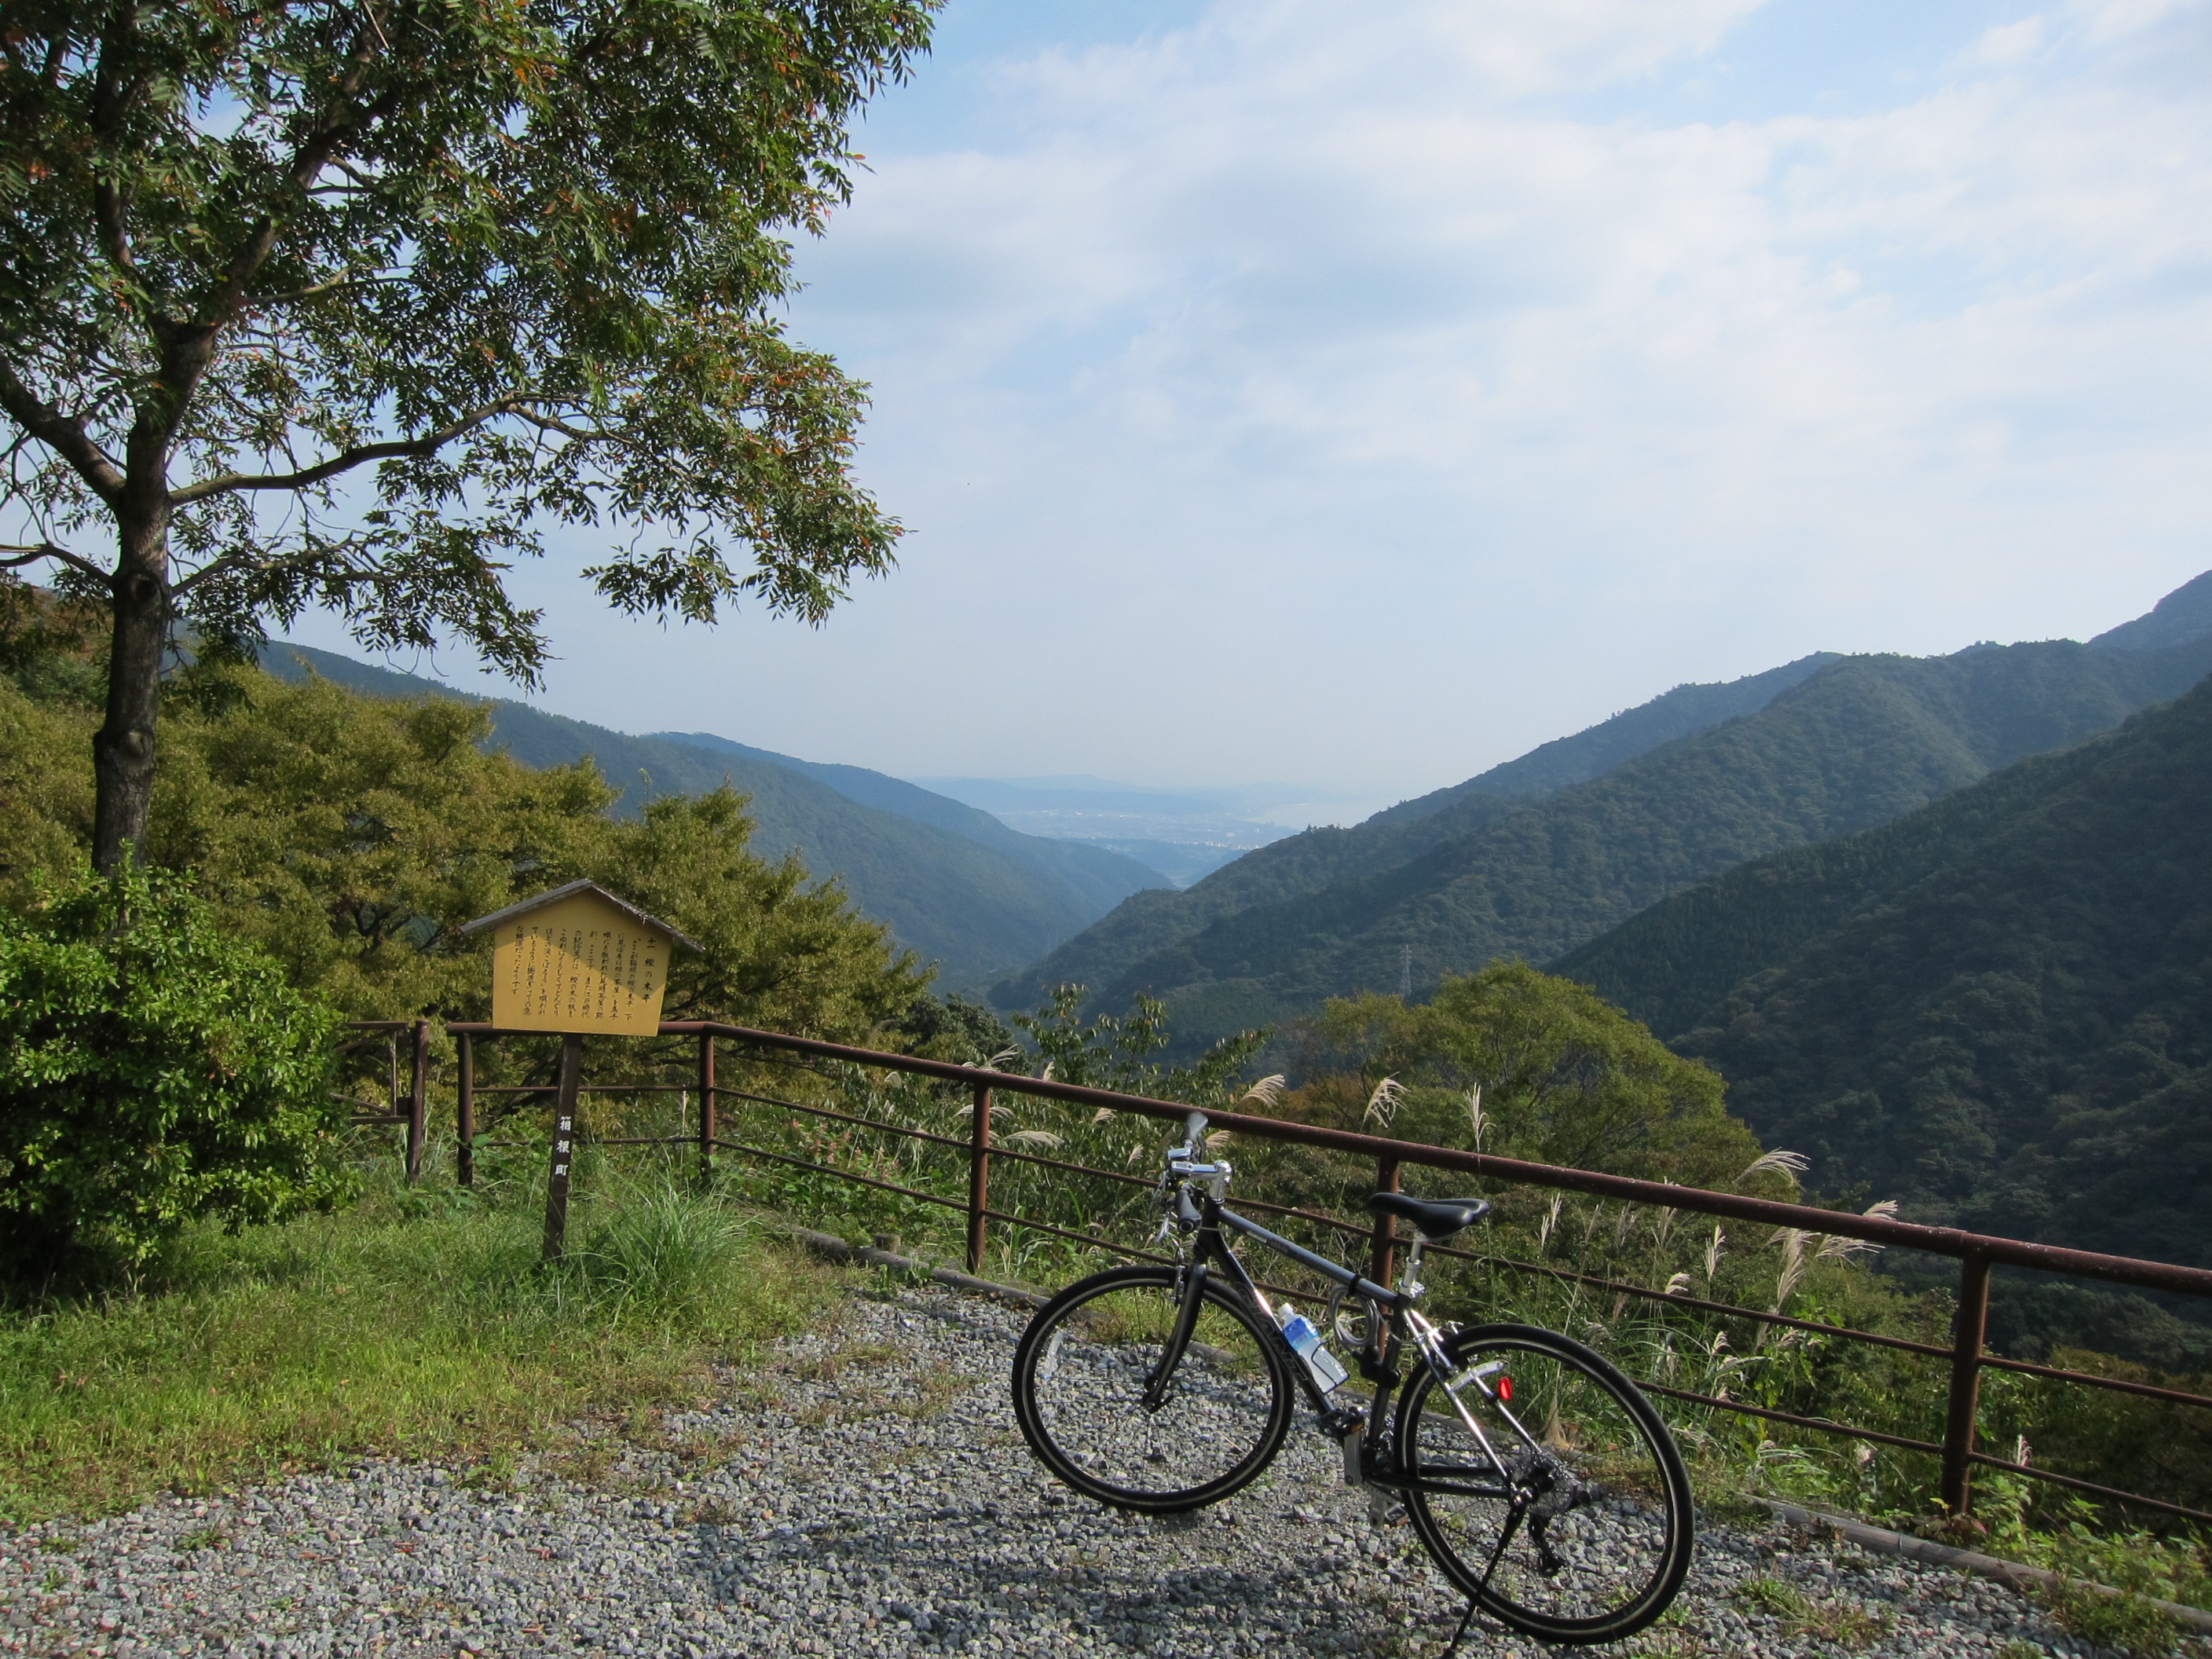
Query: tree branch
<point>394,449</point>
<point>261,301</point>
<point>20,555</point>
<point>306,558</point>
<point>63,433</point>
<point>316,151</point>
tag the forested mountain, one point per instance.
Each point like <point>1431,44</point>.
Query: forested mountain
<point>2182,615</point>
<point>1156,920</point>
<point>1848,744</point>
<point>1998,1008</point>
<point>1595,750</point>
<point>1100,877</point>
<point>975,897</point>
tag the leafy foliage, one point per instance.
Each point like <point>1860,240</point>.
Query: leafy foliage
<point>515,260</point>
<point>156,1071</point>
<point>349,838</point>
<point>1857,744</point>
<point>1516,1062</point>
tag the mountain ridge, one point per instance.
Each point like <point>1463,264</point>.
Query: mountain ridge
<point>974,907</point>
<point>1839,744</point>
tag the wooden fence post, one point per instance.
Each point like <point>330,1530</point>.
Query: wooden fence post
<point>418,1102</point>
<point>464,1112</point>
<point>564,1140</point>
<point>979,1175</point>
<point>1965,1382</point>
<point>707,1126</point>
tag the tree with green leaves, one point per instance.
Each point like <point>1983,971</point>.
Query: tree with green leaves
<point>334,303</point>
<point>350,837</point>
<point>1522,1063</point>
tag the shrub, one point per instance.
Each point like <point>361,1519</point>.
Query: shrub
<point>152,1072</point>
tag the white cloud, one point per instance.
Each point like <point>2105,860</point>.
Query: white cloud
<point>1365,394</point>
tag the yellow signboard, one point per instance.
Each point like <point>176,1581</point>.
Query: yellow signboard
<point>578,959</point>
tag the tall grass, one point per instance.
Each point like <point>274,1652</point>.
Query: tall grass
<point>411,1324</point>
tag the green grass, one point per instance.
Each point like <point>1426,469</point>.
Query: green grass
<point>413,1325</point>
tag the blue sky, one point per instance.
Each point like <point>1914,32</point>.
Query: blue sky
<point>1363,395</point>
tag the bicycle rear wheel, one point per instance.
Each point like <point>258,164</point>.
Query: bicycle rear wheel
<point>1585,1535</point>
<point>1079,1381</point>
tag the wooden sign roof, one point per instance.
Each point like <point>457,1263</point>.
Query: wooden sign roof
<point>578,959</point>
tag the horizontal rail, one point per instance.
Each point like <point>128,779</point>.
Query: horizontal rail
<point>1826,1425</point>
<point>586,1088</point>
<point>1878,1229</point>
<point>845,1118</point>
<point>1731,1309</point>
<point>841,1175</point>
<point>2116,1384</point>
<point>1982,1460</point>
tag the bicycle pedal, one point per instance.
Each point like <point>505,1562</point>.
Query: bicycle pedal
<point>1383,1509</point>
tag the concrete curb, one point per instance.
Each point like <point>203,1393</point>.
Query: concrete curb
<point>837,1250</point>
<point>1881,1542</point>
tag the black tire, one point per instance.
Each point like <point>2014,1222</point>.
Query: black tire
<point>1079,1378</point>
<point>1603,1536</point>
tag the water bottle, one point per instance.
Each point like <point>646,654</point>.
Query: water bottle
<point>1305,1342</point>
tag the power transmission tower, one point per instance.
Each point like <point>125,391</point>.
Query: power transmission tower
<point>1405,973</point>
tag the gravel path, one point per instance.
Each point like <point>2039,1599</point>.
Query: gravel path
<point>868,1494</point>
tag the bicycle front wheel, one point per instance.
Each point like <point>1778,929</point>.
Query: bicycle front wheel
<point>1080,1376</point>
<point>1583,1534</point>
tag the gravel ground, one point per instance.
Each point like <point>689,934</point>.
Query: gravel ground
<point>868,1492</point>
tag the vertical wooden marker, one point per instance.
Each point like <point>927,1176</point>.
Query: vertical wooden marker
<point>564,1145</point>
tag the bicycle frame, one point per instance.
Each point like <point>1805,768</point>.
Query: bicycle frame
<point>1378,1363</point>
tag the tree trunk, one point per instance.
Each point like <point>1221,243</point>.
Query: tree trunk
<point>123,749</point>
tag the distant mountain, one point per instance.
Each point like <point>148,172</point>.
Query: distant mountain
<point>1833,745</point>
<point>954,884</point>
<point>1681,713</point>
<point>1103,877</point>
<point>1184,834</point>
<point>1997,1008</point>
<point>2182,615</point>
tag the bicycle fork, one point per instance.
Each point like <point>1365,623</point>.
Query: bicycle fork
<point>1171,1351</point>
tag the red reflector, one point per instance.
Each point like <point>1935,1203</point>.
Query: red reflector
<point>1504,1387</point>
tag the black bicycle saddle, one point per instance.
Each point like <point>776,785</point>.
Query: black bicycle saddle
<point>1435,1219</point>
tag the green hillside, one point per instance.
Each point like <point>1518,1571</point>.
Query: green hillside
<point>1997,1009</point>
<point>975,903</point>
<point>1159,920</point>
<point>1857,742</point>
<point>1591,753</point>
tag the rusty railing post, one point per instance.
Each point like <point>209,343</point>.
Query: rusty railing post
<point>1973,1321</point>
<point>564,1140</point>
<point>706,1108</point>
<point>418,1102</point>
<point>979,1175</point>
<point>1382,1253</point>
<point>464,1112</point>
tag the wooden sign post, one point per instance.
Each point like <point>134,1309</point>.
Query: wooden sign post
<point>580,961</point>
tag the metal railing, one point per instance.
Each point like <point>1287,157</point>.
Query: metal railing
<point>409,1106</point>
<point>1976,1254</point>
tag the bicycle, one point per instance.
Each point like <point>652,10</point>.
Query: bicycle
<point>1537,1476</point>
